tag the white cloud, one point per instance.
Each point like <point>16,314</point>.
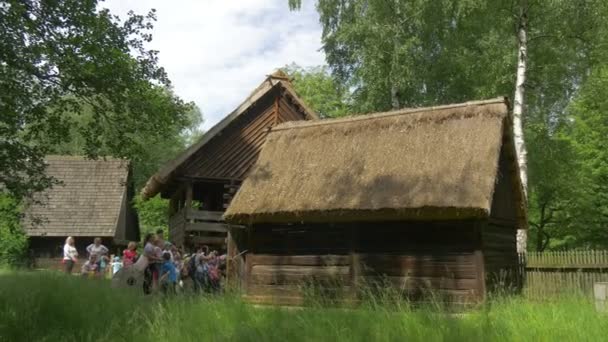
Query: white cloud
<point>217,51</point>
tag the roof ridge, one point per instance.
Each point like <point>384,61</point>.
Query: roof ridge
<point>82,157</point>
<point>376,115</point>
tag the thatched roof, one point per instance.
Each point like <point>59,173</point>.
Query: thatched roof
<point>278,79</point>
<point>427,163</point>
<point>88,202</point>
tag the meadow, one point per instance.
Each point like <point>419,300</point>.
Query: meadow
<point>44,306</point>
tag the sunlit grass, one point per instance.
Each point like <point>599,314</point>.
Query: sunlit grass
<point>52,307</point>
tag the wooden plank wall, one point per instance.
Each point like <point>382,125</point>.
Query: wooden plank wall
<point>231,154</point>
<point>499,234</point>
<point>286,264</point>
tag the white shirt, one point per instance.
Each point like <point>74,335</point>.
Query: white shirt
<point>69,252</point>
<point>98,250</point>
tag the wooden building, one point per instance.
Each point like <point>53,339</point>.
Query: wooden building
<point>426,200</point>
<point>201,181</point>
<point>93,199</point>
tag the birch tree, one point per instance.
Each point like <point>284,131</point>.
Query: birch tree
<point>417,52</point>
<point>518,109</point>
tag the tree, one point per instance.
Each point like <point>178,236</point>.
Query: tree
<point>320,90</point>
<point>417,52</point>
<point>590,135</point>
<point>59,59</point>
<point>12,239</point>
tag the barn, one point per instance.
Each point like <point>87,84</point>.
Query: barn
<point>93,199</point>
<point>201,182</point>
<point>424,200</point>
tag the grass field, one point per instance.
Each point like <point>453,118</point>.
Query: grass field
<point>51,307</point>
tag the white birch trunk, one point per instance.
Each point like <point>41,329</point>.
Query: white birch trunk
<point>518,111</point>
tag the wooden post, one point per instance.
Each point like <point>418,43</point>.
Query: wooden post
<point>234,262</point>
<point>479,261</point>
<point>189,195</point>
<point>355,266</point>
<point>248,261</point>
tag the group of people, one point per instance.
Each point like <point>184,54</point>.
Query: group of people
<point>97,258</point>
<point>169,268</point>
<point>165,266</point>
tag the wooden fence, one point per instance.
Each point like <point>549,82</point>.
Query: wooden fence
<point>550,274</point>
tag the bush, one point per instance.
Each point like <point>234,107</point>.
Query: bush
<point>13,241</point>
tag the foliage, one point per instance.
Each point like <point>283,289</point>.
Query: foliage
<point>40,307</point>
<point>416,52</point>
<point>13,241</point>
<point>153,214</point>
<point>59,59</point>
<point>147,153</point>
<point>319,90</point>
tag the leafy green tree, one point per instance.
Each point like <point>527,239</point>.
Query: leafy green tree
<point>319,90</point>
<point>58,57</point>
<point>12,239</point>
<point>393,53</point>
<point>153,214</point>
<point>590,135</point>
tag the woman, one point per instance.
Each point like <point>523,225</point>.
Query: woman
<point>152,259</point>
<point>97,248</point>
<point>70,254</point>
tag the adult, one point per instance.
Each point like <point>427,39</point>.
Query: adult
<point>97,248</point>
<point>151,256</point>
<point>201,270</point>
<point>70,255</point>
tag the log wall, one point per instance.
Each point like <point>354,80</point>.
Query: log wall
<point>288,264</point>
<point>499,234</point>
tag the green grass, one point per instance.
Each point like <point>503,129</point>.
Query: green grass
<point>51,307</point>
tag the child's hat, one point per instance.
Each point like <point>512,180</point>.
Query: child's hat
<point>116,258</point>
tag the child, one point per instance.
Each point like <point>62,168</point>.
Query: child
<point>168,277</point>
<point>102,264</point>
<point>116,265</point>
<point>90,267</point>
<point>130,254</point>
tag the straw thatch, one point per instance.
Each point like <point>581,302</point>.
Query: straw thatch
<point>428,163</point>
<point>90,200</point>
<point>278,79</point>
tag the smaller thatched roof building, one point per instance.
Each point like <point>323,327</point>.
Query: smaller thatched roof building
<point>426,163</point>
<point>426,199</point>
<point>93,199</point>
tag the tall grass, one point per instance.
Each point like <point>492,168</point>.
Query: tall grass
<point>52,307</point>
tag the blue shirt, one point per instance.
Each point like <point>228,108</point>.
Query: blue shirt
<point>116,266</point>
<point>169,267</point>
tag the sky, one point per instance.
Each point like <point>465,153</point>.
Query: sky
<point>217,51</point>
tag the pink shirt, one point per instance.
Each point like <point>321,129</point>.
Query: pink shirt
<point>128,257</point>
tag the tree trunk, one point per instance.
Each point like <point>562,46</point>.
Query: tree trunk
<point>518,110</point>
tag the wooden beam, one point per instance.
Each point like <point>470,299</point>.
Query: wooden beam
<point>205,215</point>
<point>207,227</point>
<point>276,109</point>
<point>207,240</point>
<point>301,260</point>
